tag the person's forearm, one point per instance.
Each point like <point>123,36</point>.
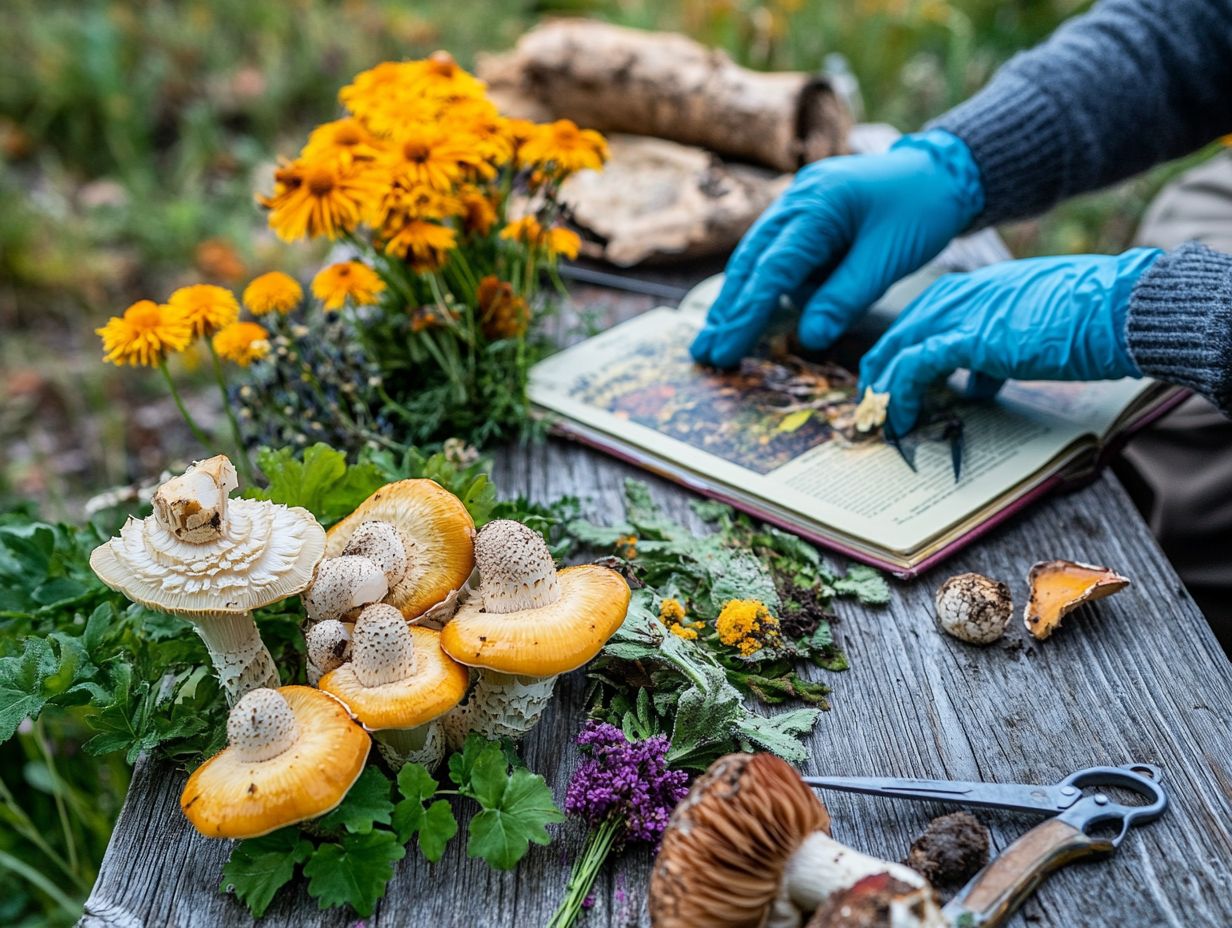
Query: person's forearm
<point>1126,86</point>
<point>1179,326</point>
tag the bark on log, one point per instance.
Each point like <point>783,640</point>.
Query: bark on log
<point>658,201</point>
<point>617,79</point>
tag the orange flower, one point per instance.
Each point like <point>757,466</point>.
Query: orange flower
<point>273,292</point>
<point>206,307</point>
<point>318,197</point>
<point>217,258</point>
<point>343,139</point>
<point>562,241</point>
<point>423,245</point>
<point>480,214</point>
<point>565,147</point>
<point>242,342</point>
<point>145,334</point>
<point>556,241</point>
<point>525,230</point>
<point>427,156</point>
<point>347,280</point>
<point>502,313</point>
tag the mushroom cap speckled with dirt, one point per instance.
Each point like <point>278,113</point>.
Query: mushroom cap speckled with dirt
<point>974,608</point>
<point>292,754</point>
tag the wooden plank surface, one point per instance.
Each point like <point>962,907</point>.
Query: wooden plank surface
<point>1138,677</point>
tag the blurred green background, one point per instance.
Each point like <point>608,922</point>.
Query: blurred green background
<point>132,135</point>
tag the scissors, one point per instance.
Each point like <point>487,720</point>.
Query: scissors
<point>995,892</point>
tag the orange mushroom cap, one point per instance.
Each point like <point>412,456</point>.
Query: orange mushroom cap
<point>1060,587</point>
<point>438,534</point>
<point>292,755</point>
<point>398,676</point>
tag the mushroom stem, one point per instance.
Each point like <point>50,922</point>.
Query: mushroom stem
<point>424,744</point>
<point>822,869</point>
<point>238,654</point>
<point>500,706</point>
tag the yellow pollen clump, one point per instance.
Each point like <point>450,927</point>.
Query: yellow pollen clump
<point>747,625</point>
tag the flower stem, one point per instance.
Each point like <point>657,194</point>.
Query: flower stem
<point>584,872</point>
<point>240,450</point>
<point>198,434</point>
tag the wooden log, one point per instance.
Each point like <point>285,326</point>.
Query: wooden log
<point>617,79</point>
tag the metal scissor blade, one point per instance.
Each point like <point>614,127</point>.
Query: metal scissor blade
<point>1046,800</point>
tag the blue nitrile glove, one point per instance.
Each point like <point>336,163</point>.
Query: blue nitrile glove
<point>1037,319</point>
<point>844,231</point>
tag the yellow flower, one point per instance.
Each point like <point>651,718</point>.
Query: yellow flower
<point>345,140</point>
<point>564,146</point>
<point>347,280</point>
<point>681,631</point>
<point>274,292</point>
<point>145,334</point>
<point>479,214</point>
<point>626,546</point>
<point>422,244</point>
<point>562,241</point>
<point>319,197</point>
<point>672,610</point>
<point>525,230</point>
<point>480,120</point>
<point>242,342</point>
<point>207,307</point>
<point>427,156</point>
<point>502,313</point>
<point>747,625</point>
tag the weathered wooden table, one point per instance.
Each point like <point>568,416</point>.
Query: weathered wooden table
<point>1139,677</point>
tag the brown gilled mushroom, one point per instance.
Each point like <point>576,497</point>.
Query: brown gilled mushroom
<point>749,846</point>
<point>529,623</point>
<point>213,560</point>
<point>436,535</point>
<point>292,754</point>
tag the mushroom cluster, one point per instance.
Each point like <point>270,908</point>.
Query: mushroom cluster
<point>750,846</point>
<point>213,560</point>
<point>528,624</point>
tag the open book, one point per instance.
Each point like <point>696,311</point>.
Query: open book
<point>768,438</point>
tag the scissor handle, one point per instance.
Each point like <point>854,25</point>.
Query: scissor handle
<point>1000,888</point>
<point>1142,779</point>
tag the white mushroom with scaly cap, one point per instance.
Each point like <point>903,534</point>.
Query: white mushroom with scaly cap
<point>529,623</point>
<point>384,546</point>
<point>213,560</point>
<point>329,647</point>
<point>398,683</point>
<point>344,585</point>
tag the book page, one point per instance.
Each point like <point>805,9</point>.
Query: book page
<point>754,430</point>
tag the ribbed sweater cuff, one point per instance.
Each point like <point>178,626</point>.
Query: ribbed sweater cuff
<point>1179,325</point>
<point>1017,136</point>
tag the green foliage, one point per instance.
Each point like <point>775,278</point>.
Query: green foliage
<point>365,805</point>
<point>259,867</point>
<point>319,480</point>
<point>353,870</point>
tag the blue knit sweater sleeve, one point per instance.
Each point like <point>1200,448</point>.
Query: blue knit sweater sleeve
<point>1128,85</point>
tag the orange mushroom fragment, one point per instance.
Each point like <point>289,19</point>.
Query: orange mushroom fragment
<point>1060,587</point>
<point>292,754</point>
<point>437,535</point>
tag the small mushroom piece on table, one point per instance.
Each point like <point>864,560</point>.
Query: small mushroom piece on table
<point>1060,587</point>
<point>750,846</point>
<point>398,683</point>
<point>529,623</point>
<point>292,754</point>
<point>213,560</point>
<point>436,533</point>
<point>974,608</point>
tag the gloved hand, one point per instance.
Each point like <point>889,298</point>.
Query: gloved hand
<point>1037,319</point>
<point>842,233</point>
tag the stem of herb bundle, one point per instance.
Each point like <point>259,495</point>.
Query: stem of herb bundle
<point>179,404</point>
<point>585,869</point>
<point>236,434</point>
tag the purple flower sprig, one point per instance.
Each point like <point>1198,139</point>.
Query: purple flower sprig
<point>625,792</point>
<point>622,779</point>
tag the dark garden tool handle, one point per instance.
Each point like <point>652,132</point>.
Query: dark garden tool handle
<point>996,891</point>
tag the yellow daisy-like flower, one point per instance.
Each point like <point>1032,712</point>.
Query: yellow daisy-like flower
<point>347,280</point>
<point>145,334</point>
<point>439,75</point>
<point>422,244</point>
<point>561,241</point>
<point>556,241</point>
<point>343,139</point>
<point>564,146</point>
<point>319,197</point>
<point>526,230</point>
<point>428,156</point>
<point>207,307</point>
<point>274,292</point>
<point>502,313</point>
<point>479,215</point>
<point>242,342</point>
<point>482,122</point>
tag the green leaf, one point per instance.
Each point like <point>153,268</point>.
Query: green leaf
<point>259,867</point>
<point>22,695</point>
<point>739,574</point>
<point>437,830</point>
<point>354,870</point>
<point>366,803</point>
<point>414,782</point>
<point>865,584</point>
<point>320,481</point>
<point>501,834</point>
<point>780,734</point>
<point>462,763</point>
<point>488,776</point>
